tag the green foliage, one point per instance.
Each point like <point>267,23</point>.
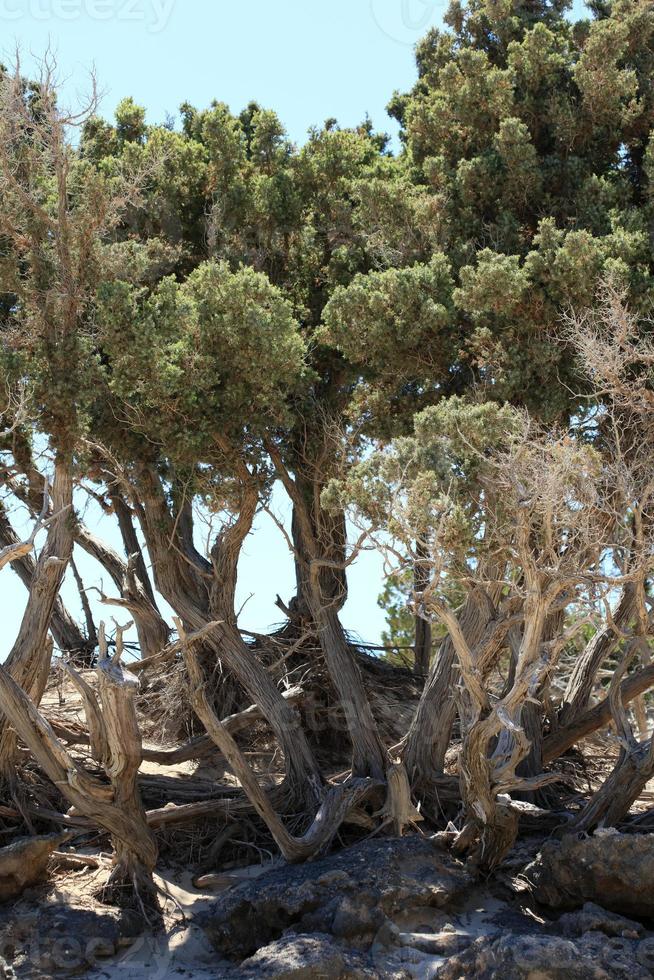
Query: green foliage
<point>255,289</point>
<point>400,622</point>
<point>427,484</point>
<point>203,361</point>
<point>531,135</point>
<point>395,324</point>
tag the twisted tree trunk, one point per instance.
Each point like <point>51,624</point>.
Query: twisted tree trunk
<point>556,744</point>
<point>635,766</point>
<point>429,736</point>
<point>369,757</point>
<point>135,858</point>
<point>322,571</point>
<point>616,796</point>
<point>115,807</point>
<point>336,802</point>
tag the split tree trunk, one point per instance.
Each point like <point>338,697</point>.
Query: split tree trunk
<point>429,736</point>
<point>65,630</point>
<point>29,660</point>
<point>135,859</point>
<point>323,562</point>
<point>200,592</point>
<point>602,645</point>
<point>114,807</point>
<point>336,803</point>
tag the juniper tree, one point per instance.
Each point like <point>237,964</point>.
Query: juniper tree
<point>527,147</point>
<point>261,313</point>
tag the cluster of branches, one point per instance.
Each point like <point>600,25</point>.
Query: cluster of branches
<point>189,318</point>
<point>528,537</point>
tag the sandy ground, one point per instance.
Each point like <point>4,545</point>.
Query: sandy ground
<point>182,951</point>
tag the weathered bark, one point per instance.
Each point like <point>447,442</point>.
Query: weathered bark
<point>488,841</point>
<point>65,630</point>
<point>533,712</point>
<point>634,768</point>
<point>430,733</point>
<point>336,803</point>
<point>330,530</point>
<point>422,625</point>
<point>531,719</point>
<point>494,742</point>
<point>151,628</point>
<point>369,757</point>
<point>398,811</point>
<point>135,859</point>
<point>195,589</point>
<point>602,645</point>
<point>131,542</point>
<point>29,659</point>
<point>97,736</point>
<point>614,799</point>
<point>591,720</point>
<point>114,807</point>
<point>302,772</point>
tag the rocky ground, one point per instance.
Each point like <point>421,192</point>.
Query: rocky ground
<point>580,907</point>
<point>383,908</point>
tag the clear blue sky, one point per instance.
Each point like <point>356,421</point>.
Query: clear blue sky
<point>307,59</point>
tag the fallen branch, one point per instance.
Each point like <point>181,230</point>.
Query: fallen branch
<point>195,748</point>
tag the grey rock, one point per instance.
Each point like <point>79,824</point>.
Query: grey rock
<point>645,954</point>
<point>526,957</point>
<point>593,918</point>
<point>614,871</point>
<point>58,939</point>
<point>306,957</point>
<point>349,894</point>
